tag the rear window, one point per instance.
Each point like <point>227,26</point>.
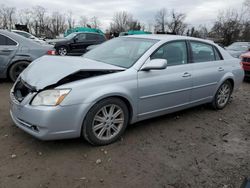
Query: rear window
<point>6,41</point>
<point>92,37</point>
<point>101,37</point>
<point>202,52</point>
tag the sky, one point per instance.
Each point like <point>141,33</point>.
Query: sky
<point>198,12</point>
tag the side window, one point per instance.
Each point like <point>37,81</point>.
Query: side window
<point>91,37</point>
<point>23,34</point>
<point>202,52</point>
<point>10,42</point>
<point>81,37</point>
<point>218,56</point>
<point>2,40</point>
<point>175,53</point>
<point>6,41</point>
<point>101,38</point>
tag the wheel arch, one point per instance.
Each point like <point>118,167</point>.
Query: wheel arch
<point>123,98</point>
<point>12,63</point>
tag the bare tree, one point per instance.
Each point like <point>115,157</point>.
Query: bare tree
<point>161,20</point>
<point>70,20</point>
<point>58,23</point>
<point>83,21</point>
<point>7,15</point>
<point>200,32</point>
<point>176,24</point>
<point>228,26</point>
<point>135,25</point>
<point>94,22</point>
<point>247,4</point>
<point>25,18</point>
<point>120,21</point>
<point>39,20</point>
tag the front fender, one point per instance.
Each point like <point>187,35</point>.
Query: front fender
<point>115,92</point>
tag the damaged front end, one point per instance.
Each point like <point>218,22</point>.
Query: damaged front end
<point>80,75</point>
<point>22,89</point>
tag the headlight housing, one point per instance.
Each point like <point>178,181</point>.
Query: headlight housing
<point>52,97</point>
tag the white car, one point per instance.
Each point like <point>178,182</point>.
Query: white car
<point>29,36</point>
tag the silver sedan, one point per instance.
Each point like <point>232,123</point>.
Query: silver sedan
<point>122,81</point>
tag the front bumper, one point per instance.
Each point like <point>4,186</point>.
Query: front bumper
<point>46,122</point>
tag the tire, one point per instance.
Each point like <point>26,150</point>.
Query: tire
<point>62,50</point>
<point>102,127</point>
<point>16,69</point>
<point>222,96</point>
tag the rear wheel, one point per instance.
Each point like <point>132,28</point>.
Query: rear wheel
<point>16,69</point>
<point>223,95</point>
<point>105,122</point>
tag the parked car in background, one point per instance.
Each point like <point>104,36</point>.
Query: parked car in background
<point>134,32</point>
<point>122,81</point>
<point>16,52</point>
<point>29,36</point>
<point>245,60</point>
<point>76,43</point>
<point>238,48</point>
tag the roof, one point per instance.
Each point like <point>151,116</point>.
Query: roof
<point>165,37</point>
<point>18,38</point>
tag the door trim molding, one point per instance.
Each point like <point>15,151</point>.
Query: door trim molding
<point>176,91</point>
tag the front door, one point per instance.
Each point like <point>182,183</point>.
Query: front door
<point>162,91</point>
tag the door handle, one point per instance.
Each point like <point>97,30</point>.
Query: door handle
<point>7,50</point>
<point>220,69</point>
<point>186,74</point>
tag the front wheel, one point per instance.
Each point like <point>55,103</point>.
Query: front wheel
<point>223,95</point>
<point>62,51</point>
<point>105,122</point>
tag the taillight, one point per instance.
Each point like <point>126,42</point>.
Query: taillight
<point>51,52</point>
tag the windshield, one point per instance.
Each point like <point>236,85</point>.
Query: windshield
<point>238,47</point>
<point>122,52</point>
<point>70,36</point>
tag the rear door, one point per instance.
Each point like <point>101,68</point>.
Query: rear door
<point>8,48</point>
<point>208,69</point>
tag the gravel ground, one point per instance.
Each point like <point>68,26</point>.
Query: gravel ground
<point>198,147</point>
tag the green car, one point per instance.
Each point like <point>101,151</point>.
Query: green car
<point>82,29</point>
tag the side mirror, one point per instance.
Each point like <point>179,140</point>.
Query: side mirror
<point>155,64</point>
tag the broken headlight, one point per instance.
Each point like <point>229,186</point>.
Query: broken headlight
<point>51,97</point>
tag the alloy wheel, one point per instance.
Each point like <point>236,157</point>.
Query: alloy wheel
<point>62,51</point>
<point>108,122</point>
<point>223,94</point>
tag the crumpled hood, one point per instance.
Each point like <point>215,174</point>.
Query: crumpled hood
<point>48,70</point>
